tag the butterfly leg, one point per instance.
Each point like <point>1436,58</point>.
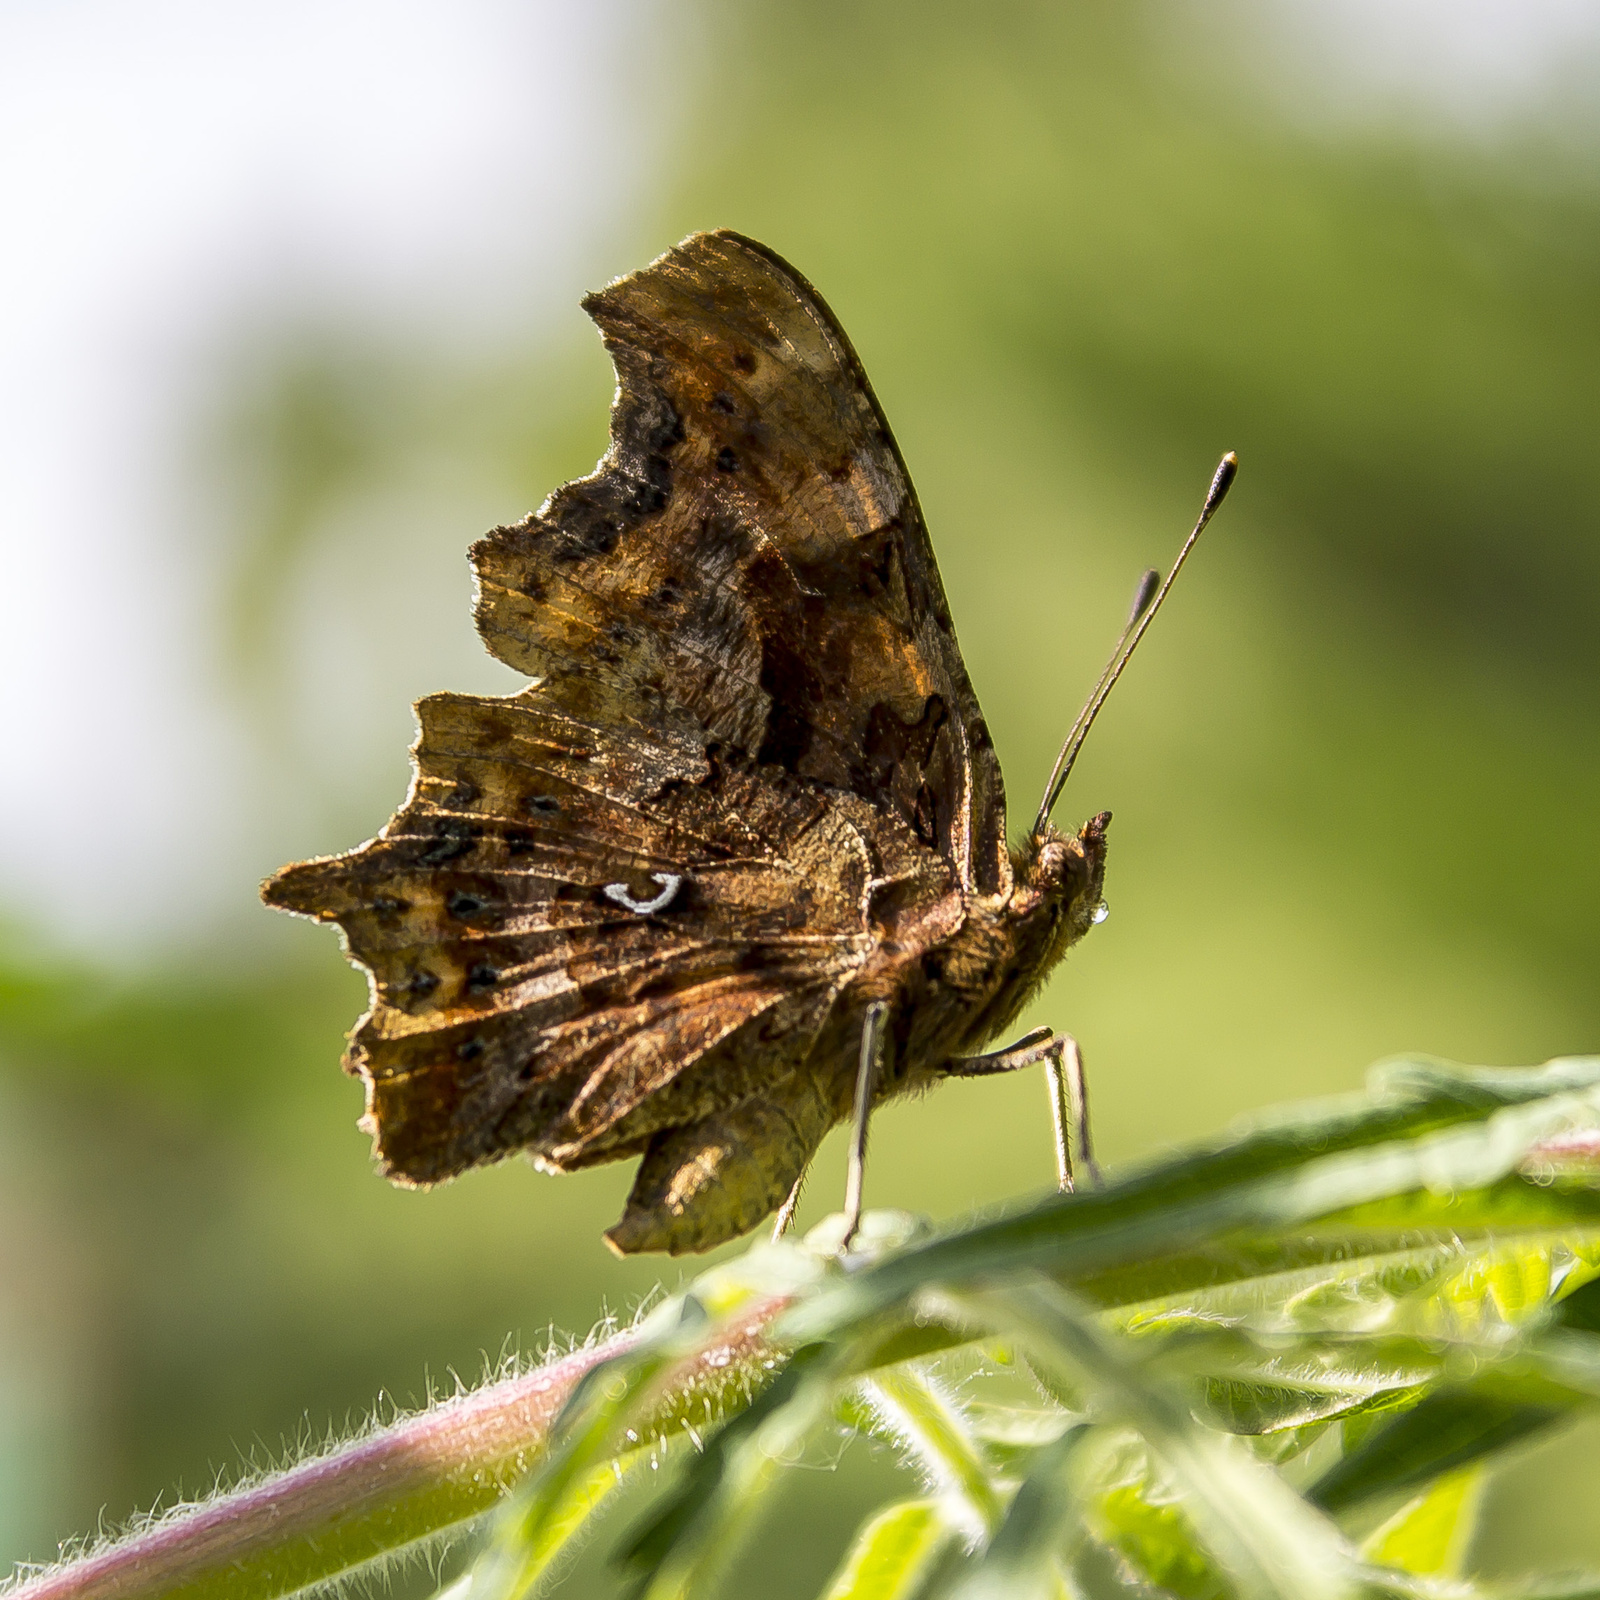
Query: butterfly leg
<point>866,1085</point>
<point>785,1217</point>
<point>1069,1108</point>
<point>1069,1092</point>
<point>1029,1049</point>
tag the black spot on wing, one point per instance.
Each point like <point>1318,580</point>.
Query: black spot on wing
<point>414,991</point>
<point>586,518</point>
<point>520,841</point>
<point>476,902</point>
<point>452,839</point>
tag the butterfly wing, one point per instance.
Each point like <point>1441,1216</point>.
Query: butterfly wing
<point>749,561</point>
<point>563,917</point>
<point>618,910</point>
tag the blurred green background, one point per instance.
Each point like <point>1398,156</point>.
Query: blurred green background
<point>1083,249</point>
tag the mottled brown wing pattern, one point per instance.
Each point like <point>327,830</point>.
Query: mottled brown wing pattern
<point>617,911</point>
<point>517,1005</point>
<point>749,560</point>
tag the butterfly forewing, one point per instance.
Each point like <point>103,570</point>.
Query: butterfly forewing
<point>750,559</point>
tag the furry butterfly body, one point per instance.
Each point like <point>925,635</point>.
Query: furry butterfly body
<point>643,907</point>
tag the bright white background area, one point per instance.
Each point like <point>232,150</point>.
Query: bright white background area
<point>171,173</point>
<point>1479,67</point>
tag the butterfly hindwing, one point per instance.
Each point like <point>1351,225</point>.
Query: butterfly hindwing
<point>517,1004</point>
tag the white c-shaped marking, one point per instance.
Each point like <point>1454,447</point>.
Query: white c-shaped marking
<point>671,883</point>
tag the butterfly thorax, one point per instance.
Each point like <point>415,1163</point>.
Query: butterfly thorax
<point>954,995</point>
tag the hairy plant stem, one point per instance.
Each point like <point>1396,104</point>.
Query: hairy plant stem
<point>376,1497</point>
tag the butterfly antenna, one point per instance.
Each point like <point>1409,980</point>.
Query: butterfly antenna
<point>1142,596</point>
<point>1147,600</point>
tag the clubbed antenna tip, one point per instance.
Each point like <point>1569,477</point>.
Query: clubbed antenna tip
<point>1147,600</point>
<point>1221,482</point>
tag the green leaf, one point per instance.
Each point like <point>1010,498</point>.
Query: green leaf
<point>1251,1522</point>
<point>701,1523</point>
<point>1442,1433</point>
<point>894,1553</point>
<point>906,1405</point>
<point>1257,1383</point>
<point>1020,1562</point>
<point>1531,1385</point>
<point>1151,1531</point>
<point>560,1496</point>
<point>1285,1444</point>
<point>1329,1271</point>
<point>1432,1533</point>
<point>525,1551</point>
<point>1579,1305</point>
<point>1011,1436</point>
<point>1428,1129</point>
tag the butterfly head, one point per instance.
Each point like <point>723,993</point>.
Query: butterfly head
<point>1063,874</point>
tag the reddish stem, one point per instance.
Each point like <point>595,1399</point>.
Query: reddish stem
<point>372,1498</point>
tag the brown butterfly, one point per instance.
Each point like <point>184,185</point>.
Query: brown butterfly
<point>735,862</point>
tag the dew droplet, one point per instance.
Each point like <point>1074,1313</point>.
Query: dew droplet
<point>1100,913</point>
